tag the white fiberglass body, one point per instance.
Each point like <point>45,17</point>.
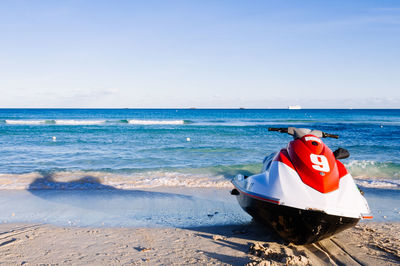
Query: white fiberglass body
<point>281,184</point>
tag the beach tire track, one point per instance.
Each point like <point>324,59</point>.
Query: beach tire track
<point>337,252</point>
<point>5,243</point>
<point>345,251</point>
<point>322,254</point>
<point>17,231</point>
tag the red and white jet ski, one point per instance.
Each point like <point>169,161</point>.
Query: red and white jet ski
<point>303,192</point>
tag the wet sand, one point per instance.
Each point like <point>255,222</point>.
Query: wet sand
<point>33,244</point>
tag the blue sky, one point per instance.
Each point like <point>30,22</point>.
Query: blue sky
<point>171,54</point>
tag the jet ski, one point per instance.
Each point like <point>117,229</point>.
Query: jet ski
<point>303,191</point>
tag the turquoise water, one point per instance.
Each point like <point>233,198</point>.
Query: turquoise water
<point>126,149</point>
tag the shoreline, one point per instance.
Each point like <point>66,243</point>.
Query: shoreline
<point>149,207</point>
<point>367,243</point>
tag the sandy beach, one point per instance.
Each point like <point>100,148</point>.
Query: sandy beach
<point>37,244</point>
<point>144,227</point>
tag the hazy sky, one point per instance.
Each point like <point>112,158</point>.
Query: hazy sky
<point>254,54</point>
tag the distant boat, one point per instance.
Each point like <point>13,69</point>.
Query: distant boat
<point>294,107</point>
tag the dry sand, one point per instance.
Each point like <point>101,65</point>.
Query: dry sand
<point>39,244</point>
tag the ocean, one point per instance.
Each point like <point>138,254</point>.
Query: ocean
<point>172,167</point>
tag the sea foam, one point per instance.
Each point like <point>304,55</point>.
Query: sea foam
<point>156,122</point>
<point>374,183</point>
<point>83,122</point>
<point>373,169</point>
<point>79,122</point>
<point>82,180</point>
<point>25,122</point>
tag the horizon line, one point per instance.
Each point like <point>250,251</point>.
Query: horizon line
<point>200,108</point>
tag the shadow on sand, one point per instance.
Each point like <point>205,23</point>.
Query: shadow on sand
<point>89,185</point>
<point>236,237</point>
<point>83,192</point>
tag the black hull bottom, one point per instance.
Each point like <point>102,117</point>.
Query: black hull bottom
<point>295,225</point>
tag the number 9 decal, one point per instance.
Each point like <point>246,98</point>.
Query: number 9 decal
<point>320,163</point>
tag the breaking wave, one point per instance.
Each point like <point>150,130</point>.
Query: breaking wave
<point>79,122</point>
<point>73,122</point>
<point>378,183</point>
<point>26,122</point>
<point>363,169</point>
<point>55,122</point>
<point>206,177</point>
<point>375,174</point>
<point>82,180</point>
<point>366,174</point>
<point>200,122</point>
<point>156,122</point>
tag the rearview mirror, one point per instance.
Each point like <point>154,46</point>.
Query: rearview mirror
<point>341,153</point>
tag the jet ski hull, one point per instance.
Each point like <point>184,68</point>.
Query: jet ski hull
<point>292,224</point>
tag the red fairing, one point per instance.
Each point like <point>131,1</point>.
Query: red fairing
<point>314,162</point>
<point>341,168</point>
<point>283,157</point>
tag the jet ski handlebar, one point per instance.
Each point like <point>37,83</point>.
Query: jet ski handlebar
<point>279,129</point>
<point>290,132</point>
<point>327,135</point>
